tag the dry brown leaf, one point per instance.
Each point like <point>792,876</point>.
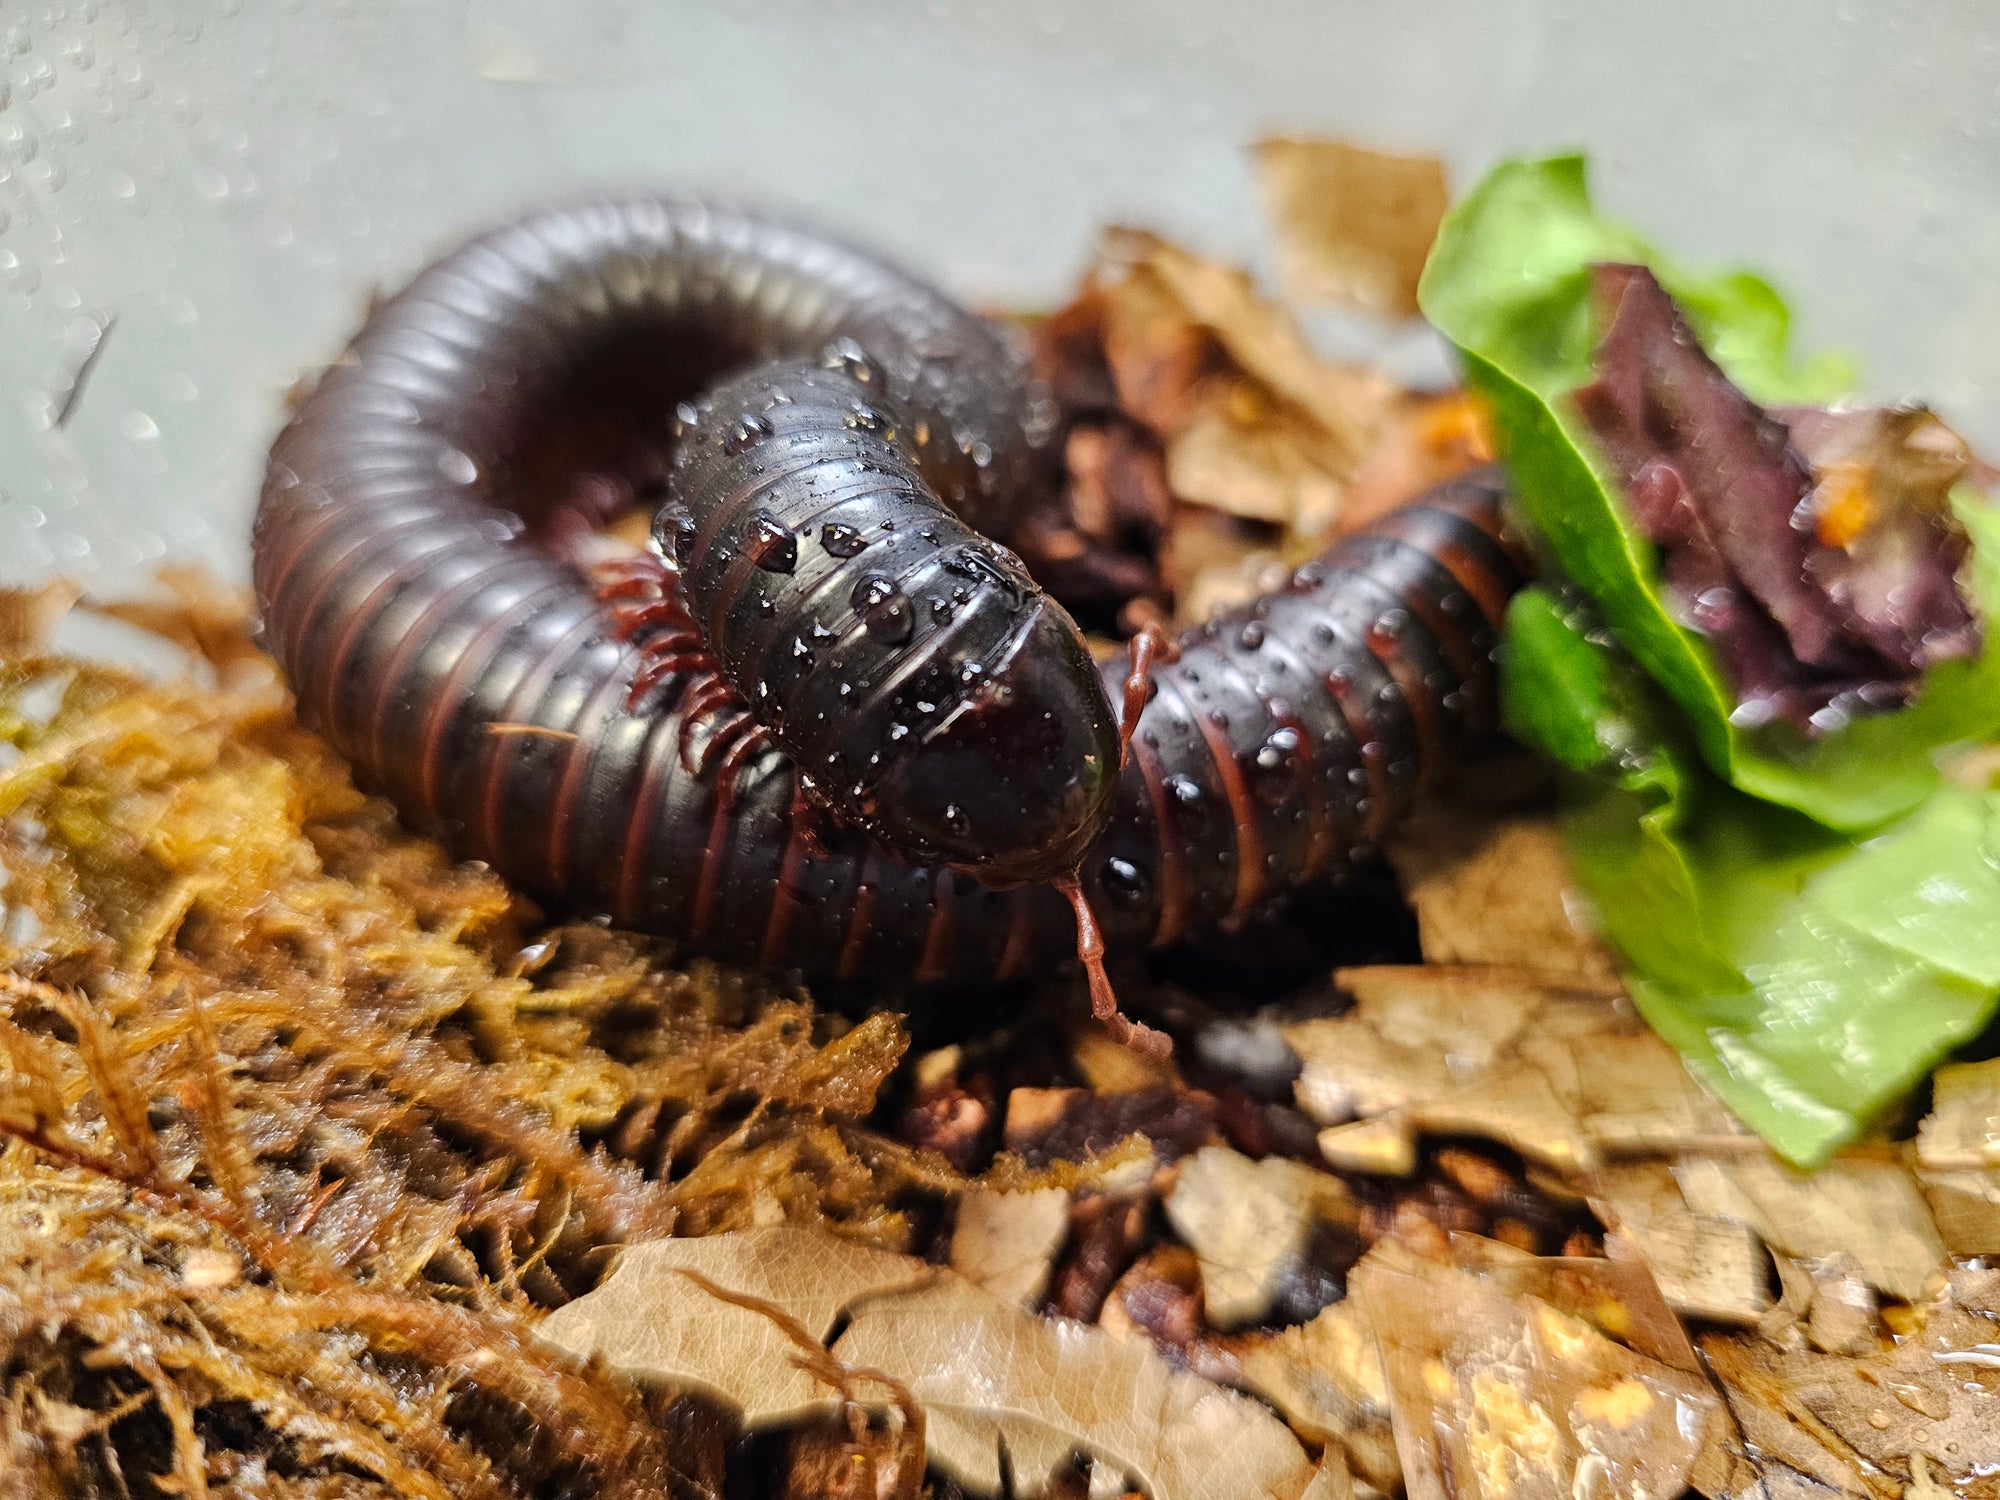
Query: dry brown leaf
<point>1249,1223</point>
<point>1504,1395</point>
<point>1212,563</point>
<point>1561,1075</point>
<point>1963,1127</point>
<point>990,1376</point>
<point>650,1321</point>
<point>1860,1425</point>
<point>1241,453</point>
<point>1424,440</point>
<point>1869,1209</point>
<point>1353,225</point>
<point>1707,1267</point>
<point>1157,352</point>
<point>1497,891</point>
<point>29,616</point>
<point>1007,1242</point>
<point>1346,402</point>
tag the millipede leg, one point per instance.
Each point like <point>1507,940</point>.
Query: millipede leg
<point>1151,646</point>
<point>1103,999</point>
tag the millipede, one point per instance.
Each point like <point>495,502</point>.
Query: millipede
<point>839,730</point>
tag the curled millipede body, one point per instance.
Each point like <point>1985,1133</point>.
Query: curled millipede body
<point>481,681</point>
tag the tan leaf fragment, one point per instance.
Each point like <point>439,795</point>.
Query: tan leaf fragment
<point>1497,1394</point>
<point>1963,1127</point>
<point>1332,1480</point>
<point>1249,1222</point>
<point>1707,1267</point>
<point>1385,1145</point>
<point>989,1375</point>
<point>1326,1378</point>
<point>1561,1075</point>
<point>1497,891</point>
<point>1109,1066</point>
<point>1865,1425</point>
<point>1869,1209</point>
<point>652,1322</point>
<point>1966,1205</point>
<point>1353,225</point>
<point>1007,1242</point>
<point>1620,1299</point>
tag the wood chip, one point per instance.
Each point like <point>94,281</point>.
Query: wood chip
<point>1353,225</point>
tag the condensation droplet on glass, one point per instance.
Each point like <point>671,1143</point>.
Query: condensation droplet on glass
<point>120,185</point>
<point>138,426</point>
<point>178,385</point>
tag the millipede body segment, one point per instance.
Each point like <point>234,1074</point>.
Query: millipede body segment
<point>842,453</point>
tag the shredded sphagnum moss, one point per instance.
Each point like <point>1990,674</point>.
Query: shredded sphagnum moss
<point>306,1126</point>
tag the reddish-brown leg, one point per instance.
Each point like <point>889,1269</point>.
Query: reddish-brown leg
<point>1103,999</point>
<point>1150,645</point>
<point>806,814</point>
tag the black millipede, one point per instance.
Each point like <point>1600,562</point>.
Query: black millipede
<point>839,452</point>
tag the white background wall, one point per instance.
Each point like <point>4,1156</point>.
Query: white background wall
<point>231,178</point>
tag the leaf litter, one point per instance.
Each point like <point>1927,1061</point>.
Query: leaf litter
<point>333,1170</point>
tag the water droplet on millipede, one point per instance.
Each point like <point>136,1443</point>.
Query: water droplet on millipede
<point>861,417</point>
<point>841,541</point>
<point>674,533</point>
<point>1125,882</point>
<point>955,820</point>
<point>940,610</point>
<point>773,546</point>
<point>1274,767</point>
<point>750,430</point>
<point>1251,637</point>
<point>1190,802</point>
<point>885,610</point>
<point>685,417</point>
<point>851,360</point>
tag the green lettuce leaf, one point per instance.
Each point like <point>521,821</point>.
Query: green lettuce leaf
<point>1508,283</point>
<point>1810,978</point>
